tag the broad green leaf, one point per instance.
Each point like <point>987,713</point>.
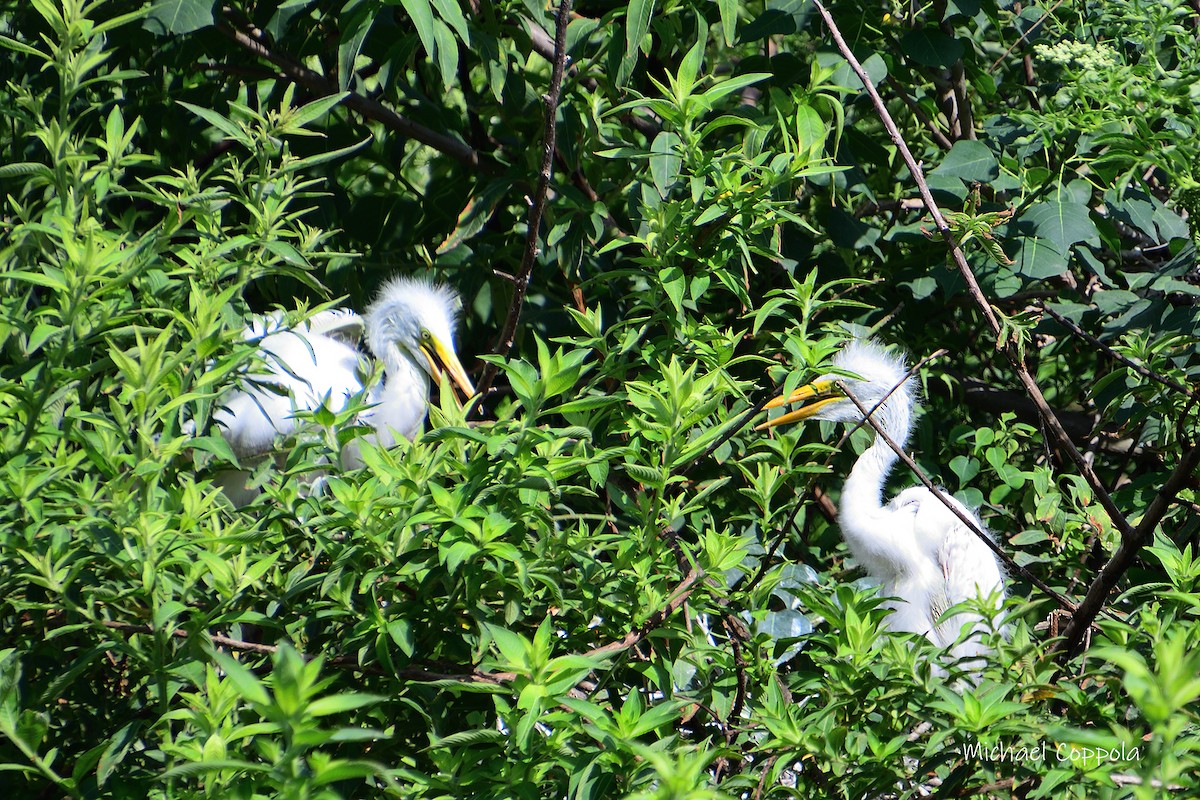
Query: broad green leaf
<point>310,112</point>
<point>341,703</point>
<point>355,29</point>
<point>447,53</point>
<point>179,16</point>
<point>452,15</point>
<point>637,24</point>
<point>1062,224</point>
<point>479,209</point>
<point>666,161</point>
<point>970,161</point>
<point>729,9</point>
<point>421,14</point>
<point>735,84</point>
<point>225,125</point>
<point>930,47</point>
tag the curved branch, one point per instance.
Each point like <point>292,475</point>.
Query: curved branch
<point>868,416</point>
<point>252,40</point>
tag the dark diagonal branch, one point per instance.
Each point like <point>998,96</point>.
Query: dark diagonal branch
<point>252,40</point>
<point>543,45</point>
<point>538,202</point>
<point>1133,365</point>
<point>824,503</point>
<point>1097,593</point>
<point>1052,423</point>
<point>918,112</point>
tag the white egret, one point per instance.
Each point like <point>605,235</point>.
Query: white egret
<point>409,328</point>
<point>919,551</point>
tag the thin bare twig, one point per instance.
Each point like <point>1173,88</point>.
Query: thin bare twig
<point>918,112</point>
<point>678,596</point>
<point>1133,365</point>
<point>810,487</point>
<point>538,206</point>
<point>543,45</point>
<point>409,674</point>
<point>1034,27</point>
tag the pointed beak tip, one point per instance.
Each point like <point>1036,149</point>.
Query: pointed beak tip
<point>443,357</point>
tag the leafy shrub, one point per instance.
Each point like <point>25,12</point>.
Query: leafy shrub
<point>598,580</point>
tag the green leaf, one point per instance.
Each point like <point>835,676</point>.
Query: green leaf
<point>21,47</point>
<point>341,703</point>
<point>1038,259</point>
<point>729,9</point>
<point>666,161</point>
<point>930,47</point>
<point>780,17</point>
<point>732,85</point>
<point>421,14</point>
<point>343,770</point>
<point>452,15</point>
<point>24,169</point>
<point>310,112</point>
<point>673,283</point>
<point>447,53</point>
<point>355,30</point>
<point>637,24</point>
<point>177,17</point>
<point>226,126</point>
<point>464,739</point>
<point>513,648</point>
<point>1062,224</point>
<point>970,161</point>
<point>247,685</point>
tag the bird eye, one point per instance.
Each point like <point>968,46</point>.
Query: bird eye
<point>426,336</point>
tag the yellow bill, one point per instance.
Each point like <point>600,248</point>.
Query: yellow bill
<point>822,392</point>
<point>442,358</point>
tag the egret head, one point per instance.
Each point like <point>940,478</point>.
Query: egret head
<point>414,319</point>
<point>868,372</point>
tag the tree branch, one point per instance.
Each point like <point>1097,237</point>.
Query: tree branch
<point>919,113</point>
<point>1121,560</point>
<point>678,596</point>
<point>252,40</point>
<point>1133,365</point>
<point>408,674</point>
<point>538,207</point>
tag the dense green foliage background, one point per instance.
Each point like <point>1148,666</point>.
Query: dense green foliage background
<point>598,581</point>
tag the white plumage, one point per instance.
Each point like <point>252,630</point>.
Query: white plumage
<point>914,545</point>
<point>409,328</point>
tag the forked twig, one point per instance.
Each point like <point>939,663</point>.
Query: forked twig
<point>960,260</point>
<point>1097,593</point>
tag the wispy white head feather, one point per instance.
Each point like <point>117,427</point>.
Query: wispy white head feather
<point>404,311</point>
